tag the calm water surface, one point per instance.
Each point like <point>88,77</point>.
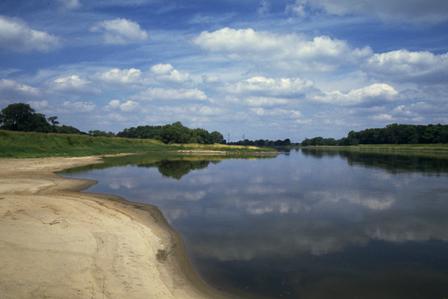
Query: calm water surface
<point>303,225</point>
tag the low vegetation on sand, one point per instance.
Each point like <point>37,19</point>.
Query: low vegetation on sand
<point>32,144</point>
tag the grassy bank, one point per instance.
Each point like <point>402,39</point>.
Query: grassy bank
<point>29,144</point>
<point>424,150</point>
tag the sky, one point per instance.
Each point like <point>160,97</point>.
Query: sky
<point>247,68</point>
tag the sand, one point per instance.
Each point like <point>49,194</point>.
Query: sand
<point>56,242</point>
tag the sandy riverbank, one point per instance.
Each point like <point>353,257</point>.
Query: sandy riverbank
<point>56,242</point>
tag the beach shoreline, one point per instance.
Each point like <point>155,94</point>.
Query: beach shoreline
<point>58,242</point>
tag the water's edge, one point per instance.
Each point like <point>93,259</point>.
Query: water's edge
<point>141,210</point>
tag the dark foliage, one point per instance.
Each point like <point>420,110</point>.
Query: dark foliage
<point>98,133</point>
<point>263,142</point>
<point>391,134</point>
<point>173,133</point>
<point>66,130</point>
<point>21,117</point>
<point>177,169</point>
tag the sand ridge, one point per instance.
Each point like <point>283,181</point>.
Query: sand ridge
<point>56,242</point>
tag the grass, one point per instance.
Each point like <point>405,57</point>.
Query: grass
<point>31,144</point>
<point>424,150</point>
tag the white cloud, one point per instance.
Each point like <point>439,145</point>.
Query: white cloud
<point>71,82</point>
<point>431,11</point>
<point>169,73</point>
<point>11,88</point>
<point>290,114</point>
<point>266,101</point>
<point>297,8</point>
<point>372,94</point>
<point>151,94</point>
<point>194,110</point>
<point>69,4</point>
<point>321,53</point>
<point>38,105</point>
<point>125,106</point>
<point>271,86</point>
<point>122,76</point>
<point>404,65</point>
<point>78,106</point>
<point>120,31</point>
<point>16,35</point>
<point>385,117</point>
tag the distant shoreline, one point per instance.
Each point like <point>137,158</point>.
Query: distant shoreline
<point>421,150</point>
<point>57,242</point>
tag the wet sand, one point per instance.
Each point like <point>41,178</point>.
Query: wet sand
<point>56,242</point>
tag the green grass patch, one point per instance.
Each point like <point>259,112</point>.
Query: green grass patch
<point>30,145</point>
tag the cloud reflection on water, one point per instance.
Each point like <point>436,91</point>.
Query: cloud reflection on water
<point>296,210</point>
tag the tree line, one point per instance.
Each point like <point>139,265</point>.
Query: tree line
<point>173,133</point>
<point>391,134</point>
<point>263,142</point>
<point>21,117</point>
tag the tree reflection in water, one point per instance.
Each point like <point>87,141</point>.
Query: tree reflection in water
<point>308,225</point>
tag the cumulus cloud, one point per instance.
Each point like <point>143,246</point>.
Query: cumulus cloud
<point>372,94</point>
<point>412,112</point>
<point>404,65</point>
<point>77,106</point>
<point>271,86</point>
<point>321,53</point>
<point>70,83</point>
<point>15,90</point>
<point>288,114</point>
<point>265,101</point>
<point>122,76</point>
<point>16,35</point>
<point>193,110</point>
<point>125,106</point>
<point>404,10</point>
<point>120,31</point>
<point>168,73</point>
<point>383,117</point>
<point>167,94</point>
<point>38,105</point>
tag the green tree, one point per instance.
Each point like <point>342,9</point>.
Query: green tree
<point>21,117</point>
<point>217,137</point>
<point>53,120</point>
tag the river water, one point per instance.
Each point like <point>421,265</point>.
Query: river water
<point>306,224</point>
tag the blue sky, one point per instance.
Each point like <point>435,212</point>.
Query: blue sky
<point>262,69</point>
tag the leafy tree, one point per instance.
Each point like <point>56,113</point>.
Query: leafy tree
<point>53,120</point>
<point>21,117</point>
<point>67,130</point>
<point>217,137</point>
<point>98,133</point>
<point>173,133</point>
<point>264,142</point>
